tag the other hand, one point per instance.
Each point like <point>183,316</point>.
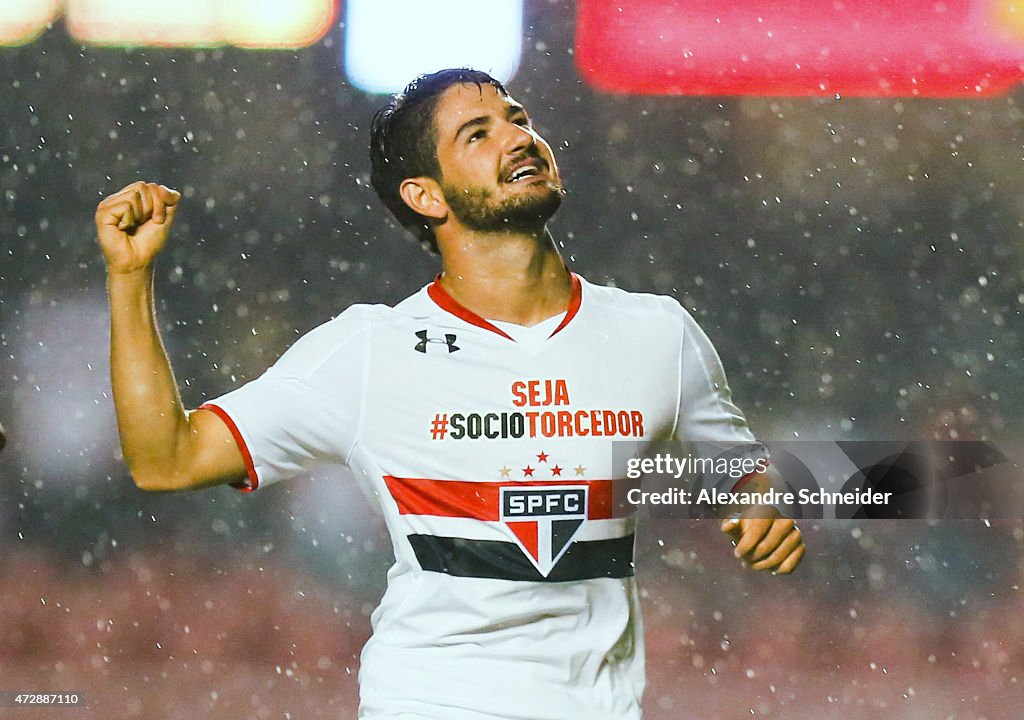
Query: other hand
<point>765,540</point>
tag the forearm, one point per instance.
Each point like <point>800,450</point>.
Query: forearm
<point>767,484</point>
<point>151,420</point>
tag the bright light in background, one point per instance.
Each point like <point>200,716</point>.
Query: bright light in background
<point>389,42</point>
<point>273,23</point>
<point>201,23</point>
<point>124,22</point>
<point>22,21</point>
<point>1007,17</point>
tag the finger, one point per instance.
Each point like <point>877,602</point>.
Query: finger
<point>114,208</point>
<point>785,548</point>
<point>169,195</point>
<point>147,201</point>
<point>137,210</point>
<point>169,211</point>
<point>778,532</point>
<point>790,563</point>
<point>156,202</point>
<point>731,526</point>
<point>125,215</point>
<point>753,531</point>
<point>108,212</point>
<point>124,193</point>
<point>170,200</point>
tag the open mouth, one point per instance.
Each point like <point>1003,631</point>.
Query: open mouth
<point>524,171</point>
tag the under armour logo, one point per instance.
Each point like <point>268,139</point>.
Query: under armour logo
<point>449,340</point>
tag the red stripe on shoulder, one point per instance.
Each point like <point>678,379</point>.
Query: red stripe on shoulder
<point>250,467</point>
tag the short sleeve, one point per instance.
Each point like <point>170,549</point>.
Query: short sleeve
<point>708,421</point>
<point>706,409</point>
<point>305,409</point>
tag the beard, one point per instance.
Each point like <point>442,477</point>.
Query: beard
<point>477,210</point>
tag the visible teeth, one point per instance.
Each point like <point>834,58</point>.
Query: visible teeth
<point>522,172</point>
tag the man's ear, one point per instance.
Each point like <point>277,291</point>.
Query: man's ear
<point>424,195</point>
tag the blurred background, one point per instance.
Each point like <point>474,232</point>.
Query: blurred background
<point>838,202</point>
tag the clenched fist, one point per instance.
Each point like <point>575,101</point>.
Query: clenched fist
<point>133,224</point>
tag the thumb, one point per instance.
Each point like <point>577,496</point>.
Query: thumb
<point>731,526</point>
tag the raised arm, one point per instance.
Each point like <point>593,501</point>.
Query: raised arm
<point>165,447</point>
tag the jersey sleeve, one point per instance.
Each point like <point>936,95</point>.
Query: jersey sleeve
<point>305,409</point>
<point>709,424</point>
<point>706,410</point>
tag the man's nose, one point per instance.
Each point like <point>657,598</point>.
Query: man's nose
<point>517,139</point>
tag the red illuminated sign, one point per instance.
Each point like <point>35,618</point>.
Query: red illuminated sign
<point>877,48</point>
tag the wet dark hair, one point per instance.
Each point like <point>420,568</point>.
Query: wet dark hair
<point>403,142</point>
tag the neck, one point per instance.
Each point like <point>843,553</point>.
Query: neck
<point>511,277</point>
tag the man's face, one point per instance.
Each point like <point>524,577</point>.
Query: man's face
<point>497,173</point>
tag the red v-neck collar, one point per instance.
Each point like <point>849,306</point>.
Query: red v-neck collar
<point>446,302</point>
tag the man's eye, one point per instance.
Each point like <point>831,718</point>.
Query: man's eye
<point>477,135</point>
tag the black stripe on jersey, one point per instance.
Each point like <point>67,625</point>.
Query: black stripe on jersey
<point>505,561</point>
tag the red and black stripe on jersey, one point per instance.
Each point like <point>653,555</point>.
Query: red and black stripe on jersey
<point>468,557</point>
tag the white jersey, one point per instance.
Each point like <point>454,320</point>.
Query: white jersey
<point>512,594</point>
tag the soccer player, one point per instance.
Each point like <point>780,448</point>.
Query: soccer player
<point>480,411</point>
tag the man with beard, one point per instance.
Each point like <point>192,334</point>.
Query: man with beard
<point>480,412</point>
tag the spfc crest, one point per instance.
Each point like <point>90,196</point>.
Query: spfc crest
<point>544,520</point>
